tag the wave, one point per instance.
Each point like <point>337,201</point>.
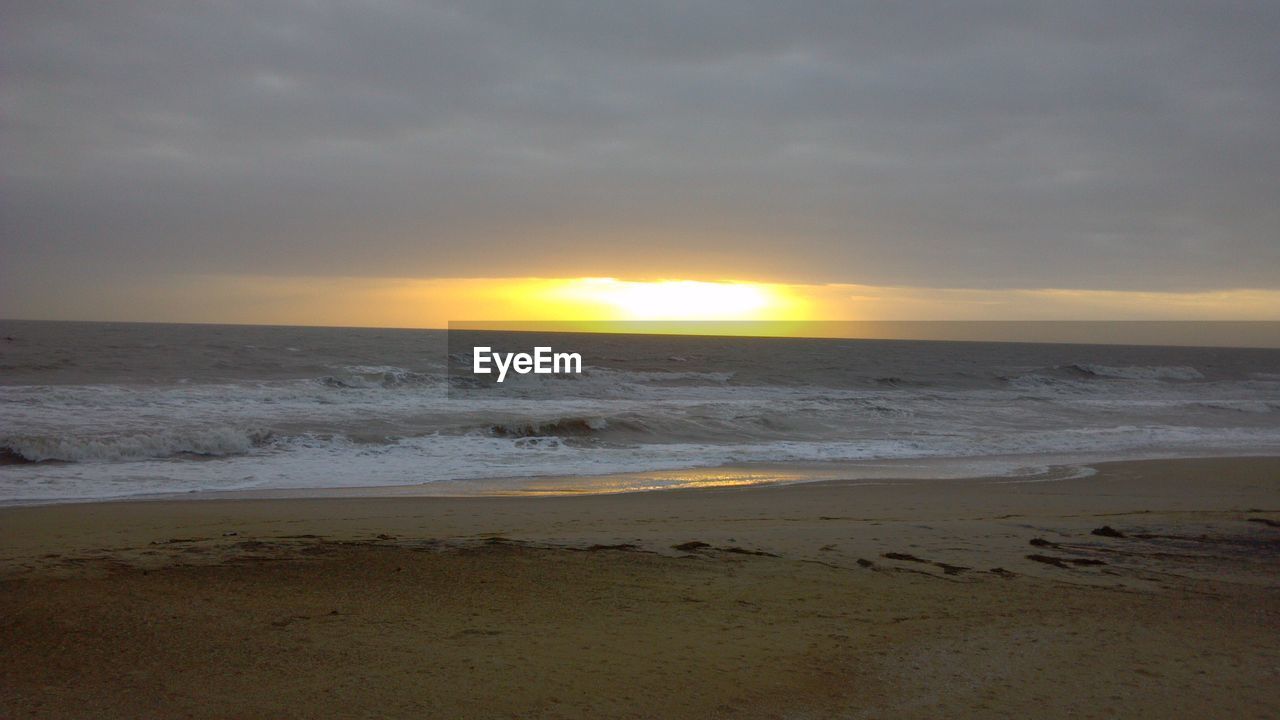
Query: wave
<point>1078,377</point>
<point>561,427</point>
<point>1041,382</point>
<point>1139,372</point>
<point>211,442</point>
<point>1244,406</point>
<point>364,377</point>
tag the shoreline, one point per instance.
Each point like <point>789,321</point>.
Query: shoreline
<point>1156,486</point>
<point>1005,468</point>
<point>822,599</point>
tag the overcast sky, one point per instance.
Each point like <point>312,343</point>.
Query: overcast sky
<point>1075,145</point>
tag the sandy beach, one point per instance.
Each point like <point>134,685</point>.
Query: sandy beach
<point>652,361</point>
<point>1150,589</point>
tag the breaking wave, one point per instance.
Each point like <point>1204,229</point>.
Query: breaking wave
<point>342,408</point>
<point>213,442</point>
<point>365,377</point>
<point>564,427</point>
<point>1141,372</point>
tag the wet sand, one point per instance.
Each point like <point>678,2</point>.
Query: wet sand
<point>1151,589</point>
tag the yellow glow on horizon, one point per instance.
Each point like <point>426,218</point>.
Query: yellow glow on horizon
<point>627,300</point>
<point>611,303</point>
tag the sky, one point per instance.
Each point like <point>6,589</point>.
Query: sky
<point>408,163</point>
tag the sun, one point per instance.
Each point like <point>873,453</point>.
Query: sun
<point>613,299</point>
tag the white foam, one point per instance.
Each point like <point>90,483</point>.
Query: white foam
<point>338,462</point>
<point>391,426</point>
<point>212,442</point>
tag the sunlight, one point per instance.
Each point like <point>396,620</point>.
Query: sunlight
<point>612,299</point>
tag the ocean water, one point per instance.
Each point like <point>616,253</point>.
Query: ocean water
<point>104,410</point>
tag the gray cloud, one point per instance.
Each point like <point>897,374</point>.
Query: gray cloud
<point>1080,145</point>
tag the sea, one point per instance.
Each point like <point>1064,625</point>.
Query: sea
<point>92,411</point>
